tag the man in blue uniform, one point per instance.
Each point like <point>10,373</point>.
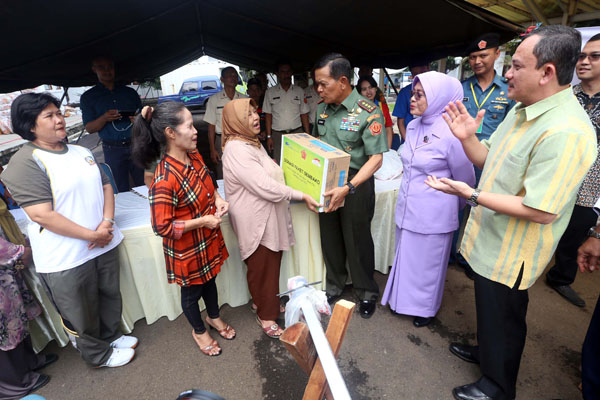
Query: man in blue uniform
<point>486,90</point>
<point>101,107</point>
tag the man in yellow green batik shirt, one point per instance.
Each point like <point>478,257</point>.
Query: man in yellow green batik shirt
<point>533,165</point>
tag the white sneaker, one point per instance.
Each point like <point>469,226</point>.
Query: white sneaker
<point>118,358</point>
<point>125,342</point>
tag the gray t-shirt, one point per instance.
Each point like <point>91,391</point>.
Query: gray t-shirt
<point>26,178</point>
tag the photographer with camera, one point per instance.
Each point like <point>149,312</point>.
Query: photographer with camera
<point>108,109</point>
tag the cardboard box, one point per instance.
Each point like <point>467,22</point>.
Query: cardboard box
<point>313,166</point>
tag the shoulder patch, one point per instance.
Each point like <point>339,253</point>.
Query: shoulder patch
<point>367,105</point>
<point>375,128</point>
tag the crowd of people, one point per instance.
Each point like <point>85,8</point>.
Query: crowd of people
<point>519,150</point>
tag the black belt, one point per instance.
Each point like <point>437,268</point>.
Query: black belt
<point>288,130</point>
<point>120,143</point>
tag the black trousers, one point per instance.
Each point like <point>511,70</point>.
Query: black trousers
<point>590,358</point>
<point>16,370</point>
<point>119,160</point>
<point>501,333</point>
<point>190,295</point>
<point>565,268</point>
<point>346,234</point>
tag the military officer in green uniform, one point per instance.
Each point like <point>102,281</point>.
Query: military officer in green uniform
<point>349,122</point>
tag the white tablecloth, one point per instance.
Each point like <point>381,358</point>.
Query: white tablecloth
<point>144,287</point>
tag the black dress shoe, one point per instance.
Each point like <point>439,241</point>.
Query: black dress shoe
<point>465,352</point>
<point>41,382</point>
<point>568,293</point>
<point>50,358</point>
<point>332,298</point>
<point>420,322</point>
<point>366,308</point>
<point>469,392</point>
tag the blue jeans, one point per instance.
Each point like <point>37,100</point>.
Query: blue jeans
<point>119,160</point>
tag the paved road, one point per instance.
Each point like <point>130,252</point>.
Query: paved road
<point>382,358</point>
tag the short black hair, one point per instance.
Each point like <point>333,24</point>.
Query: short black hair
<point>102,57</point>
<point>594,38</point>
<point>283,62</point>
<point>338,65</point>
<point>25,109</point>
<point>254,81</point>
<point>559,45</point>
<point>224,70</point>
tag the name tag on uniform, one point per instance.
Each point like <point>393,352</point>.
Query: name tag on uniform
<point>220,107</point>
<point>465,99</point>
<point>321,122</point>
<point>276,98</point>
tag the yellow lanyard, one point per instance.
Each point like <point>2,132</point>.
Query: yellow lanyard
<point>475,97</point>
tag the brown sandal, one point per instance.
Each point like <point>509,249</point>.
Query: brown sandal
<point>274,331</point>
<point>207,349</point>
<point>225,332</point>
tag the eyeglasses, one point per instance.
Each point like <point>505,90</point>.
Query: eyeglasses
<point>417,95</point>
<point>592,56</point>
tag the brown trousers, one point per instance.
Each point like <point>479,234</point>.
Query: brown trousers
<point>263,281</point>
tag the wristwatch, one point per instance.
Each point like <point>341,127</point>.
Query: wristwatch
<point>351,186</point>
<point>592,233</point>
<point>472,201</point>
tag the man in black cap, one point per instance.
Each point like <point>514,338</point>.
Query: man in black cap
<point>486,89</point>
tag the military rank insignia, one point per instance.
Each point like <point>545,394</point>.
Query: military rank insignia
<point>366,105</point>
<point>375,128</point>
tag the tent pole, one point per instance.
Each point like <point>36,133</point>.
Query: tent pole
<point>390,80</point>
<point>65,89</point>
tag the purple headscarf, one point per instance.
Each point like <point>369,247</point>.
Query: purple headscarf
<point>440,89</point>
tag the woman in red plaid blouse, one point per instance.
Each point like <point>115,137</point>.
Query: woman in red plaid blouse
<point>186,212</point>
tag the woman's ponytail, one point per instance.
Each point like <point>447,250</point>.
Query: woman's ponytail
<point>148,133</point>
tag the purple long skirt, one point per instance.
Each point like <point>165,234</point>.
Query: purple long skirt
<point>416,282</point>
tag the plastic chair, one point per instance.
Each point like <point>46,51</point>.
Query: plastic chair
<point>106,168</point>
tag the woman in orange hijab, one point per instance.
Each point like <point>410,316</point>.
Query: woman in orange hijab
<point>258,208</point>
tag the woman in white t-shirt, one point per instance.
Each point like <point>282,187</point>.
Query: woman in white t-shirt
<point>73,237</point>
